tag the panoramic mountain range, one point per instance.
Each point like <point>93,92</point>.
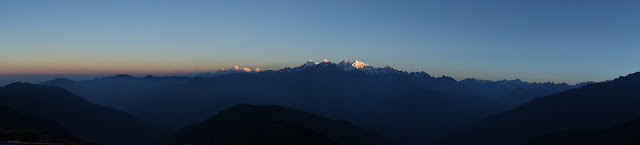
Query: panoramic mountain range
<point>237,72</point>
<point>407,107</point>
<point>378,106</point>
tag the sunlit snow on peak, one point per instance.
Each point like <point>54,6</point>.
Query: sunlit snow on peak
<point>359,64</point>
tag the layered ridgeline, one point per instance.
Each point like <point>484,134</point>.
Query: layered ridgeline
<point>408,107</point>
<point>80,118</point>
<point>272,125</point>
<point>587,109</point>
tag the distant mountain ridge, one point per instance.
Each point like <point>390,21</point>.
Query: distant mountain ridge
<point>345,65</point>
<point>509,92</point>
<point>118,85</point>
<point>349,66</point>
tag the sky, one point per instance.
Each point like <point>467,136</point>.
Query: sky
<point>533,40</point>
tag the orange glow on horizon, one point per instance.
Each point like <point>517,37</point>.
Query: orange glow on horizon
<point>105,68</point>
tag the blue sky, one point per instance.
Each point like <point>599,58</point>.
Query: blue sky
<point>534,40</point>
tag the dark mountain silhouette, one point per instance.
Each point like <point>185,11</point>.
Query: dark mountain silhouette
<point>15,126</point>
<point>623,134</point>
<point>409,107</point>
<point>14,120</point>
<point>265,125</point>
<point>81,118</point>
<point>589,108</point>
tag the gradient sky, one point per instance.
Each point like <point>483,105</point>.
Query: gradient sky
<point>534,40</point>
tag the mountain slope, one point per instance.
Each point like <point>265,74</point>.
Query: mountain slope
<point>14,120</point>
<point>592,107</point>
<point>256,124</point>
<point>15,126</point>
<point>623,134</point>
<point>81,118</point>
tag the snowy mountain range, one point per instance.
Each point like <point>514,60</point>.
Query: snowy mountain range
<point>223,71</point>
<point>346,65</point>
<point>353,66</point>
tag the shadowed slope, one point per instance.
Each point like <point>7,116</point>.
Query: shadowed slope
<point>81,118</point>
<point>592,107</point>
<point>623,134</point>
<point>15,126</point>
<point>257,124</point>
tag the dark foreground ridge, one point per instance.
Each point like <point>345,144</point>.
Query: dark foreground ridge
<point>590,108</point>
<point>81,118</point>
<point>273,125</point>
<point>624,134</point>
<point>16,126</point>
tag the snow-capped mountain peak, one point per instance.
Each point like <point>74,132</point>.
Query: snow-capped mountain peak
<point>389,67</point>
<point>359,64</point>
<point>309,63</point>
<point>344,63</point>
<point>325,61</point>
<point>236,68</point>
